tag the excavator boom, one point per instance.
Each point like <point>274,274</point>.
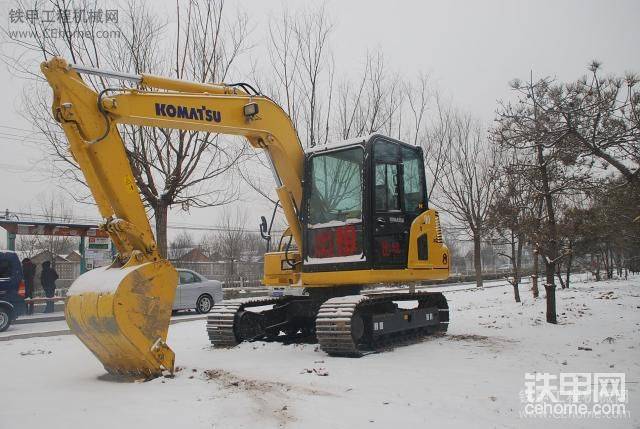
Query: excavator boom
<point>121,312</point>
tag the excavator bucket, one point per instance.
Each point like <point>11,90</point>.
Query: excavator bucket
<point>122,315</point>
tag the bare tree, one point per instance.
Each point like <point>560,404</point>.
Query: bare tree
<point>468,181</point>
<point>370,103</point>
<point>284,55</point>
<point>312,32</point>
<point>419,96</point>
<point>436,141</point>
<point>171,168</point>
<point>513,215</point>
<point>300,79</point>
<point>180,245</point>
<point>230,239</point>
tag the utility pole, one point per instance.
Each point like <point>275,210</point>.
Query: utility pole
<point>11,237</point>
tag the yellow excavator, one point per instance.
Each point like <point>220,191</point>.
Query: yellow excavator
<point>357,215</point>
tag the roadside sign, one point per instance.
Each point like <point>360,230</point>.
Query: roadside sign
<point>98,243</point>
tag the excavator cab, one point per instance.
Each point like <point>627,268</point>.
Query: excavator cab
<point>360,199</point>
<point>365,219</point>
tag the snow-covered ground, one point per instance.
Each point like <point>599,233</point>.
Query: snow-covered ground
<point>472,377</point>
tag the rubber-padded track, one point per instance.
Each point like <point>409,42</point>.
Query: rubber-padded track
<point>335,317</point>
<point>222,318</point>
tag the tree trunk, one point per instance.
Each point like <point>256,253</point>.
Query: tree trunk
<point>595,266</point>
<point>231,269</point>
<point>515,263</point>
<point>606,263</point>
<point>550,288</point>
<point>160,214</point>
<point>552,252</point>
<point>534,277</point>
<point>519,260</point>
<point>611,262</point>
<point>559,275</point>
<point>569,262</point>
<point>477,258</point>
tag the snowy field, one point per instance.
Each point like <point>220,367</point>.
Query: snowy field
<point>472,377</point>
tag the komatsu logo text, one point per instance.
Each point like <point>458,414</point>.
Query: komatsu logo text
<point>186,112</point>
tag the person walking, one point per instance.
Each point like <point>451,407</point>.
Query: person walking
<point>29,273</point>
<point>48,278</point>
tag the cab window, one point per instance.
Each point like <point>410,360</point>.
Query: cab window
<point>387,171</point>
<point>413,180</point>
<point>387,190</point>
<point>336,187</point>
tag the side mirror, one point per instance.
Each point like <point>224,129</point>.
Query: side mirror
<point>264,228</point>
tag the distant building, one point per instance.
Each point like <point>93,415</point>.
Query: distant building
<point>74,256</point>
<point>68,270</point>
<point>251,256</point>
<point>194,254</point>
<point>46,255</point>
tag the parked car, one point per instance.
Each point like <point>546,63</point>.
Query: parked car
<point>12,289</point>
<point>196,292</point>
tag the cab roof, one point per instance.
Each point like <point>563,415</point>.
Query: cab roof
<point>340,144</point>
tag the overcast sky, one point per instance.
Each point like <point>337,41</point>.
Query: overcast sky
<point>472,49</point>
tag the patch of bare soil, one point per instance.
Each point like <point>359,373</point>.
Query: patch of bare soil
<point>480,340</point>
<point>34,352</point>
<point>231,380</point>
<point>467,337</point>
<point>271,397</point>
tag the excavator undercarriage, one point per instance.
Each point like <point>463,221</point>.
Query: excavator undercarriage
<point>344,325</point>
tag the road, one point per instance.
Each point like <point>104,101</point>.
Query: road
<point>41,325</point>
<point>59,327</point>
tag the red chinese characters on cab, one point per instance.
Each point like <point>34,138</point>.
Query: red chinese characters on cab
<point>389,248</point>
<point>346,240</point>
<point>323,244</point>
<point>340,241</point>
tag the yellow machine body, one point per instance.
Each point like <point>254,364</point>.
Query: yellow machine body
<point>121,313</point>
<point>277,272</point>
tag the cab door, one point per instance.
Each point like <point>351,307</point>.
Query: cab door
<point>388,221</point>
<point>398,197</point>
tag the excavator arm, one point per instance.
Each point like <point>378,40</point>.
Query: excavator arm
<point>121,312</point>
<point>91,118</point>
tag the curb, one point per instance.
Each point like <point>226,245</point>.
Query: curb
<point>68,332</point>
<point>26,320</point>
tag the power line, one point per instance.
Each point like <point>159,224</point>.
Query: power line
<point>16,168</point>
<point>194,227</point>
<point>27,131</point>
<point>16,128</point>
